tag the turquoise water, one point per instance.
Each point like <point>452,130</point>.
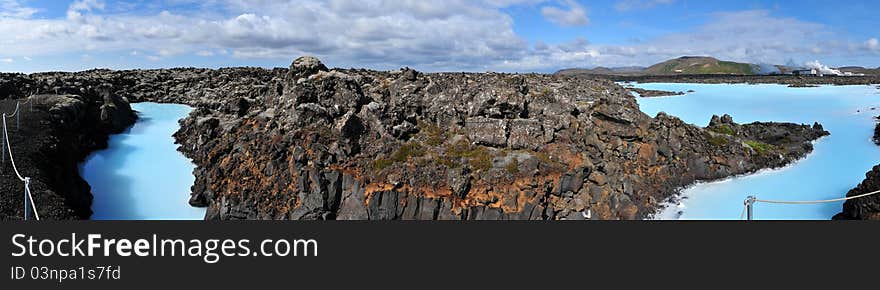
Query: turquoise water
<point>141,175</point>
<point>838,163</point>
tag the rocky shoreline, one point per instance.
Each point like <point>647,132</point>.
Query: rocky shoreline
<point>309,142</point>
<point>643,93</point>
<point>866,208</point>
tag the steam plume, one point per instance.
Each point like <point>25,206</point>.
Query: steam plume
<point>823,69</point>
<point>768,69</point>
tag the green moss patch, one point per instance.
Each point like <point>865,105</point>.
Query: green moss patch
<point>512,166</point>
<point>760,147</point>
<point>479,157</point>
<point>722,129</point>
<point>718,141</point>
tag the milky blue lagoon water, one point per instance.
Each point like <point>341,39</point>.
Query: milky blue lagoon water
<point>141,176</point>
<point>838,163</point>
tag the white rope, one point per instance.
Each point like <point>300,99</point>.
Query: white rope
<point>17,107</point>
<point>818,201</point>
<point>9,149</point>
<point>26,180</point>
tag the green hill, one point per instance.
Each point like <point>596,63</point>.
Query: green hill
<point>699,65</point>
<point>860,70</point>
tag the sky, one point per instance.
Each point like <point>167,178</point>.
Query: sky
<point>429,35</point>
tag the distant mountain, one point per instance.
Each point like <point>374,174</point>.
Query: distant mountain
<point>700,65</point>
<point>626,70</point>
<point>682,65</point>
<point>860,70</point>
<point>690,65</point>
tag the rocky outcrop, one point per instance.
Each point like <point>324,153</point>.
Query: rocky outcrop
<point>877,131</point>
<point>16,85</point>
<point>357,144</point>
<point>866,208</point>
<point>309,142</point>
<point>80,125</point>
<point>57,133</point>
<point>643,93</point>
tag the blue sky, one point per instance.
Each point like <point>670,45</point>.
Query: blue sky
<point>451,35</point>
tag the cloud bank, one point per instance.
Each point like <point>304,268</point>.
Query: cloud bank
<point>430,35</point>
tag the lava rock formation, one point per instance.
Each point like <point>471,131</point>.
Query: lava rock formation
<point>310,142</point>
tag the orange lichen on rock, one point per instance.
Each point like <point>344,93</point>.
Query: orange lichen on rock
<point>567,155</point>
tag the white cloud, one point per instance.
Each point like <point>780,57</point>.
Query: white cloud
<point>759,37</point>
<point>385,34</point>
<point>456,34</point>
<point>14,9</point>
<point>77,8</point>
<point>7,60</point>
<point>626,5</point>
<point>573,15</point>
<point>576,53</point>
<point>873,44</point>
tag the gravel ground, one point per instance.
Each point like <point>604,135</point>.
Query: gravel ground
<point>28,142</point>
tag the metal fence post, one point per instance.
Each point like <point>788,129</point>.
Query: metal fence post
<point>4,143</point>
<point>750,207</point>
<point>27,202</point>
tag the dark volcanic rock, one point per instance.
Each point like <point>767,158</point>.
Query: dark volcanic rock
<point>877,132</point>
<point>310,142</point>
<point>653,93</point>
<point>358,144</point>
<point>304,67</point>
<point>865,208</point>
<point>57,133</point>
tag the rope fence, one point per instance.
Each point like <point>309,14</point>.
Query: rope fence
<point>751,200</point>
<point>29,206</point>
<point>819,201</point>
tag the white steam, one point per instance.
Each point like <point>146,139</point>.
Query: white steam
<point>768,69</point>
<point>823,69</point>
